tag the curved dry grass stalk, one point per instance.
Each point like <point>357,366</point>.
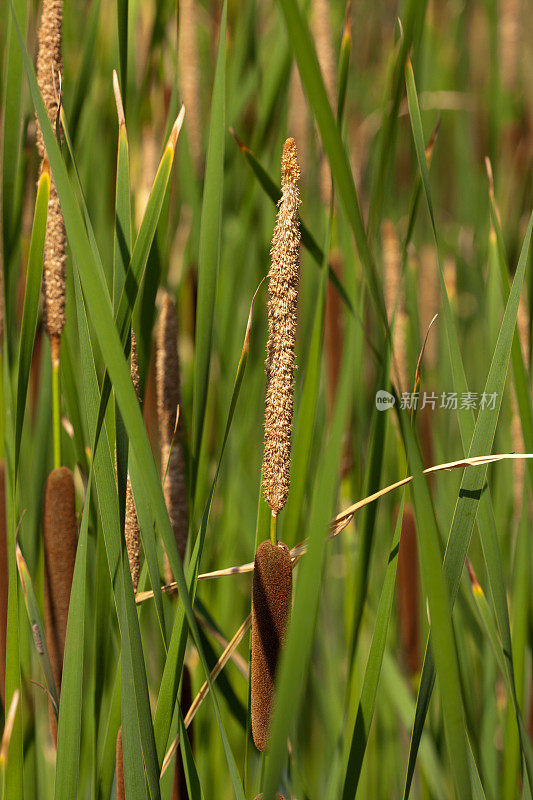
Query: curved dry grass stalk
<point>8,726</point>
<point>343,519</point>
<point>202,694</point>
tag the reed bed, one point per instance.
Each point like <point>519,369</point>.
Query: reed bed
<point>321,563</point>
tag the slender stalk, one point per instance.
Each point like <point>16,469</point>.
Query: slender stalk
<point>274,529</point>
<point>56,404</point>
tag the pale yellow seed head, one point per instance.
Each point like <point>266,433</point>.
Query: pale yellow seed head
<point>131,526</point>
<point>49,70</point>
<point>282,308</point>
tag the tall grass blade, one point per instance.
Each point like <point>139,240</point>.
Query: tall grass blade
<point>31,304</point>
<point>481,436</point>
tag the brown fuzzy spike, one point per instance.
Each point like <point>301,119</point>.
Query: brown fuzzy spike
<point>121,791</point>
<point>179,786</point>
<point>271,604</point>
<point>282,307</point>
<point>3,583</point>
<point>168,400</point>
<point>408,591</point>
<point>60,542</point>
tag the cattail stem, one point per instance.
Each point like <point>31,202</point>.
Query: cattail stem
<point>274,529</point>
<point>56,410</point>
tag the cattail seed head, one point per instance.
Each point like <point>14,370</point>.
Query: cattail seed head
<point>54,272</point>
<point>3,583</point>
<point>49,70</point>
<point>121,790</point>
<point>282,308</point>
<point>131,524</point>
<point>271,603</point>
<point>49,62</point>
<point>60,542</point>
<point>408,591</point>
<point>168,400</point>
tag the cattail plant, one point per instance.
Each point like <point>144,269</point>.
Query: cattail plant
<point>60,543</point>
<point>49,70</point>
<point>272,581</point>
<point>408,592</point>
<point>131,523</point>
<point>282,307</point>
<point>168,401</point>
<point>271,602</point>
<point>173,472</point>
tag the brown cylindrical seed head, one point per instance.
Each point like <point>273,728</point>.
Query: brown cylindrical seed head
<point>60,542</point>
<point>121,791</point>
<point>408,591</point>
<point>282,308</point>
<point>271,604</point>
<point>168,400</point>
<point>3,583</point>
<point>179,786</point>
